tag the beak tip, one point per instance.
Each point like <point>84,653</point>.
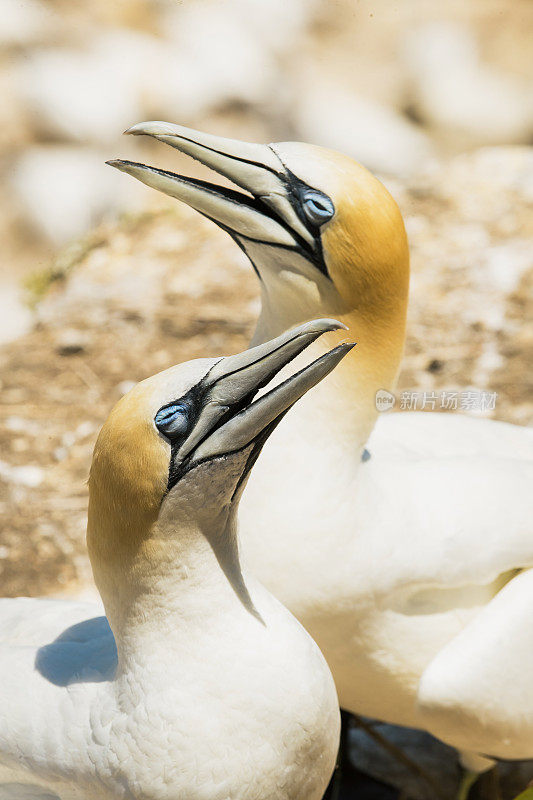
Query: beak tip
<point>336,325</point>
<point>325,325</point>
<point>153,128</point>
<point>338,353</point>
<point>115,162</point>
<point>134,130</point>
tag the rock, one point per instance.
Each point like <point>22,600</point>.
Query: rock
<point>70,341</point>
<point>437,761</point>
<point>454,90</point>
<point>376,136</point>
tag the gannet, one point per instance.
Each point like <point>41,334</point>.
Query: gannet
<point>198,685</point>
<point>407,559</point>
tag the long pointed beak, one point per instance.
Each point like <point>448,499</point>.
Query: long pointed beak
<point>253,167</point>
<point>266,216</point>
<point>236,213</point>
<point>265,412</point>
<point>231,418</point>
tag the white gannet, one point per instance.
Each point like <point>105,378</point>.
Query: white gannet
<point>199,685</point>
<point>404,566</point>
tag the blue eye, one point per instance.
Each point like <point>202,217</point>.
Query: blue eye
<point>173,420</point>
<point>317,207</point>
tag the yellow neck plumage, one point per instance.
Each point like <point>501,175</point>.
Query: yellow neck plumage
<point>367,259</point>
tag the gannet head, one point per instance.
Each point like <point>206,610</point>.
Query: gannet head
<point>175,452</point>
<point>323,234</point>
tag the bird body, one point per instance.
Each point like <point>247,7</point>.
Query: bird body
<point>383,603</point>
<point>199,684</point>
<point>388,561</point>
<point>168,725</point>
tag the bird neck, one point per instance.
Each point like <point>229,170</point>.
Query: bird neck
<point>165,583</point>
<point>346,399</point>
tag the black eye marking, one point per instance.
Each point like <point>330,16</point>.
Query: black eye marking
<point>174,420</point>
<point>317,206</point>
<point>297,192</point>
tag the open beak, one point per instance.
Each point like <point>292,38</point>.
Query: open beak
<point>231,419</point>
<point>265,215</point>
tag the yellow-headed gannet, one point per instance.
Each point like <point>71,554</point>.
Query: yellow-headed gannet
<point>403,566</point>
<point>198,685</point>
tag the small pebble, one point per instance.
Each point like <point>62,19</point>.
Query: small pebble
<point>70,342</point>
<point>435,365</point>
